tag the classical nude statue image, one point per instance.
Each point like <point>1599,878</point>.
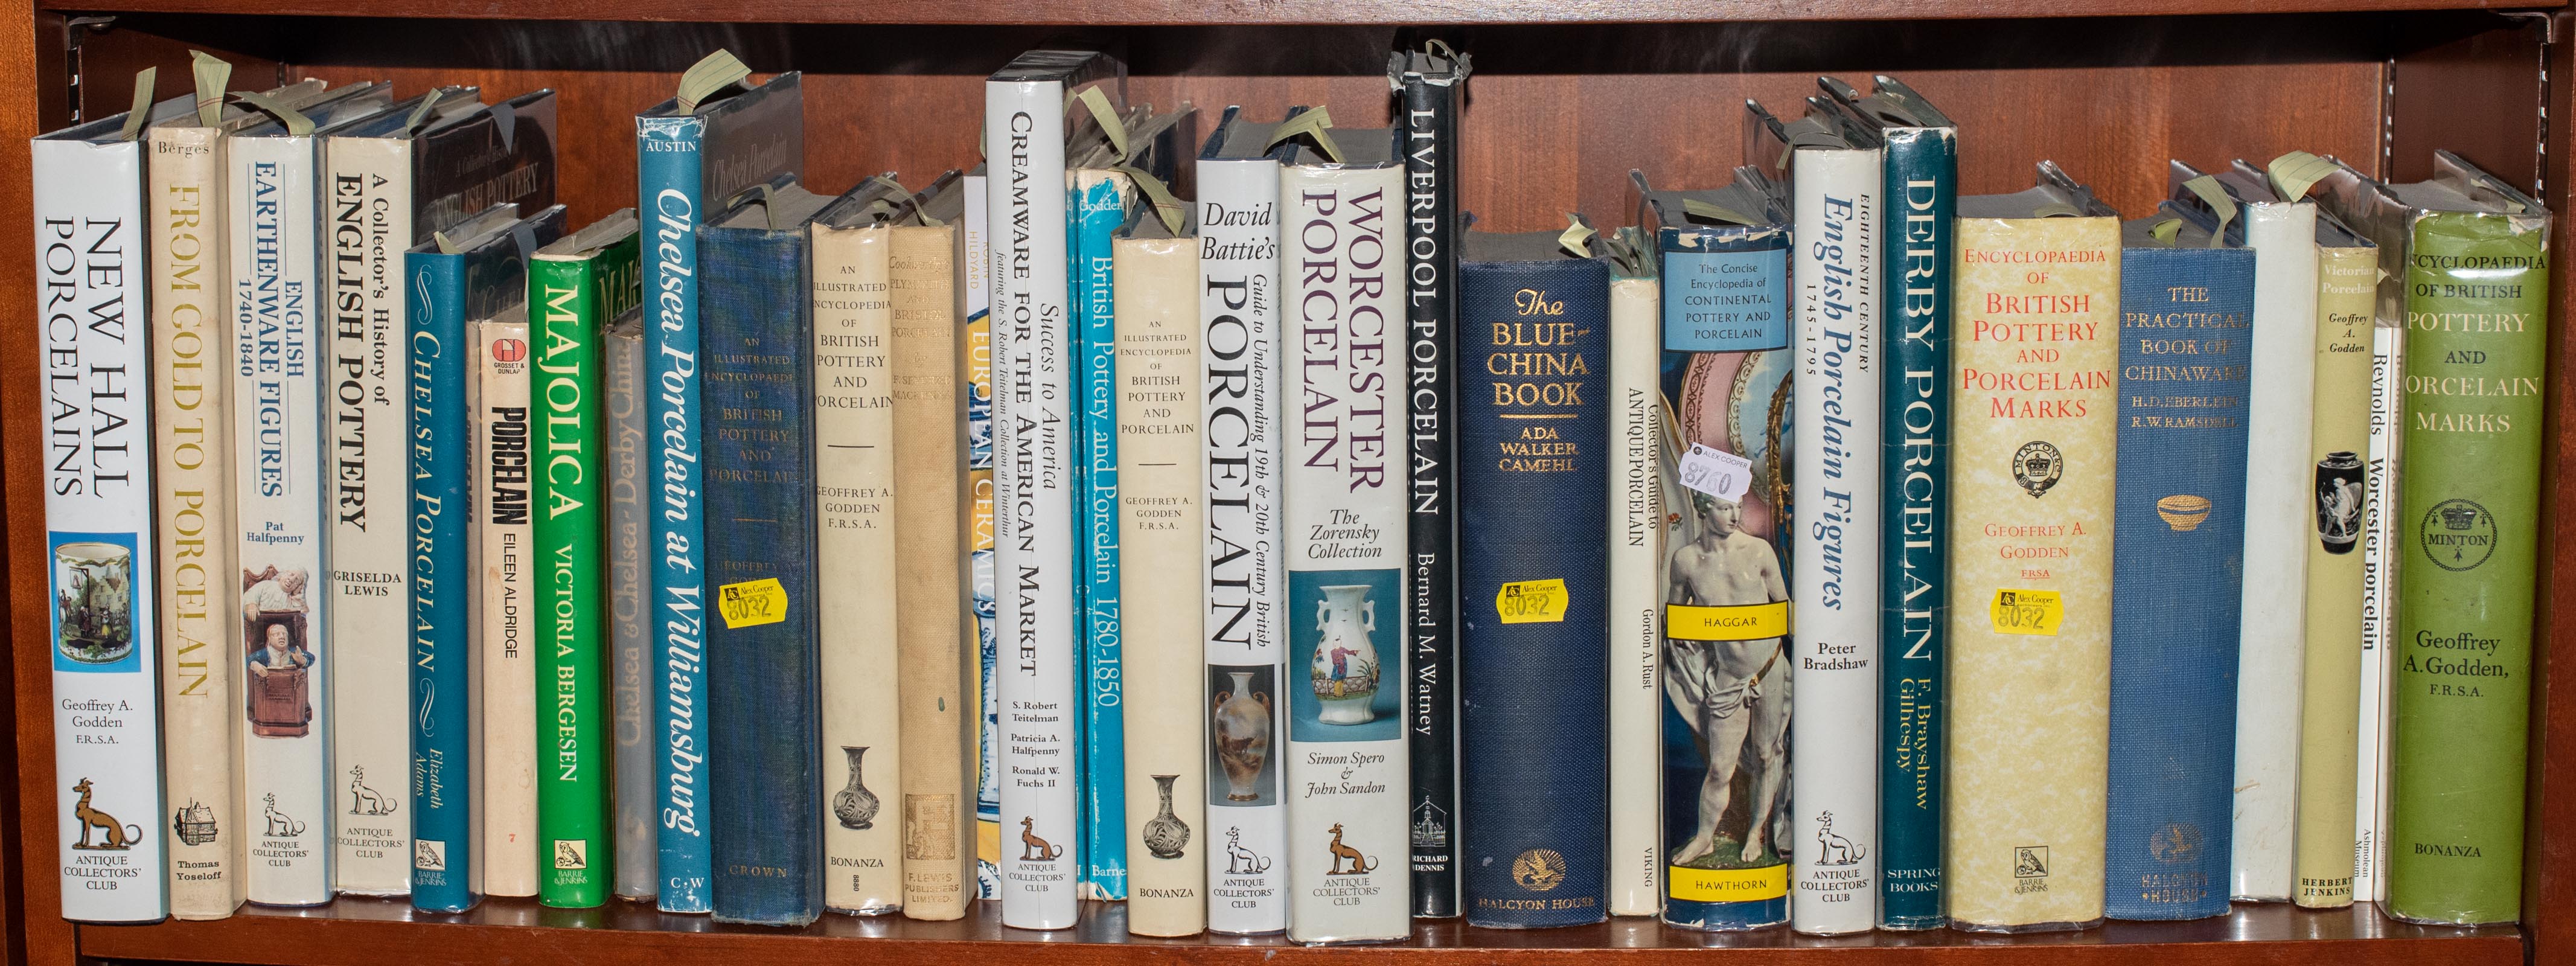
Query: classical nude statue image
<point>1733,694</point>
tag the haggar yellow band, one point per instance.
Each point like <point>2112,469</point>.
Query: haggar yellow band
<point>1741,622</point>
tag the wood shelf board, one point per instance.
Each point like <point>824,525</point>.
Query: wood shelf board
<point>1214,12</point>
<point>382,932</point>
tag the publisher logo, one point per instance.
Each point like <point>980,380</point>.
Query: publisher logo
<point>2037,465</point>
<point>509,350</point>
<point>429,855</point>
<point>2457,534</point>
<point>572,854</point>
<point>2030,862</point>
<point>1538,870</point>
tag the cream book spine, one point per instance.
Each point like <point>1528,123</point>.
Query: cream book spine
<point>279,471</point>
<point>2279,477</point>
<point>1636,596</point>
<point>1833,583</point>
<point>1160,513</point>
<point>99,578</point>
<point>2339,435</point>
<point>509,670</point>
<point>931,631</point>
<point>367,205</point>
<point>2034,385</point>
<point>1348,875</point>
<point>2380,566</point>
<point>854,490</point>
<point>192,413</point>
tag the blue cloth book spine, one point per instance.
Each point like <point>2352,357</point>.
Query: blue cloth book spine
<point>667,186</point>
<point>763,706</point>
<point>442,589</point>
<point>1099,209</point>
<point>2177,576</point>
<point>1534,641</point>
<point>1921,192</point>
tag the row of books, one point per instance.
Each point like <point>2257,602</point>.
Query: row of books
<point>1267,548</point>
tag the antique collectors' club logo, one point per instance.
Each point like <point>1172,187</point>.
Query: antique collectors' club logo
<point>2458,534</point>
<point>2037,466</point>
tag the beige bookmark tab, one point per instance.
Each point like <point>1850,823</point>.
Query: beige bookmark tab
<point>2294,173</point>
<point>1166,206</point>
<point>296,123</point>
<point>2057,209</point>
<point>2165,231</point>
<point>1105,115</point>
<point>1314,123</point>
<point>710,76</point>
<point>212,74</point>
<point>1577,237</point>
<point>446,245</point>
<point>2209,190</point>
<point>142,110</point>
<point>419,114</point>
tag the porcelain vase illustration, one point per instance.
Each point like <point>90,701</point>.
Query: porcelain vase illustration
<point>854,804</point>
<point>1241,727</point>
<point>1165,834</point>
<point>1344,669</point>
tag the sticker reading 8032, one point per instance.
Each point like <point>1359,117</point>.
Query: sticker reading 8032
<point>752,603</point>
<point>2022,611</point>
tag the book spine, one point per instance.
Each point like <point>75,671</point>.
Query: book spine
<point>101,578</point>
<point>1033,504</point>
<point>1159,496</point>
<point>285,613</point>
<point>763,706</point>
<point>191,424</point>
<point>1834,278</point>
<point>367,207</point>
<point>2477,315</point>
<point>1726,383</point>
<point>975,274</point>
<point>2279,479</point>
<point>508,860</point>
<point>1098,211</point>
<point>568,497</point>
<point>630,662</point>
<point>2379,570</point>
<point>2028,727</point>
<point>854,486</point>
<point>2188,316</point>
<point>1429,144</point>
<point>1345,516</point>
<point>439,445</point>
<point>1636,598</point>
<point>1533,440</point>
<point>929,525</point>
<point>1241,629</point>
<point>668,181</point>
<point>1920,240</point>
<point>2339,435</point>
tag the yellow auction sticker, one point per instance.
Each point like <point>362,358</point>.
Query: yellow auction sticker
<point>2035,612</point>
<point>1532,601</point>
<point>752,603</point>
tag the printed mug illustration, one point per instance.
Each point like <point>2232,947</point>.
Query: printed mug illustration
<point>93,602</point>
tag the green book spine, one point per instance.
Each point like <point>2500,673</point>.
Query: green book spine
<point>2477,311</point>
<point>570,301</point>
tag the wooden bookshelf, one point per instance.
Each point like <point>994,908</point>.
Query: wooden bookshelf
<point>1568,95</point>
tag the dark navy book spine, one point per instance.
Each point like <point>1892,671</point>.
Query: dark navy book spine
<point>2177,578</point>
<point>1921,192</point>
<point>755,326</point>
<point>1534,488</point>
<point>442,787</point>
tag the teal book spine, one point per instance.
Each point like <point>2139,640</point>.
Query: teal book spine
<point>1100,207</point>
<point>1921,192</point>
<point>442,632</point>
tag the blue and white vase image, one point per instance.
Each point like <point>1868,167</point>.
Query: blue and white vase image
<point>1344,668</point>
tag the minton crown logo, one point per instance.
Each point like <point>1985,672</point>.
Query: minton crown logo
<point>2457,535</point>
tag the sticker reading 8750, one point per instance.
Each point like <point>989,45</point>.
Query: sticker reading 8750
<point>752,603</point>
<point>2021,611</point>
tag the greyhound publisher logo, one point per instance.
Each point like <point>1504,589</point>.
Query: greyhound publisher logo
<point>1831,847</point>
